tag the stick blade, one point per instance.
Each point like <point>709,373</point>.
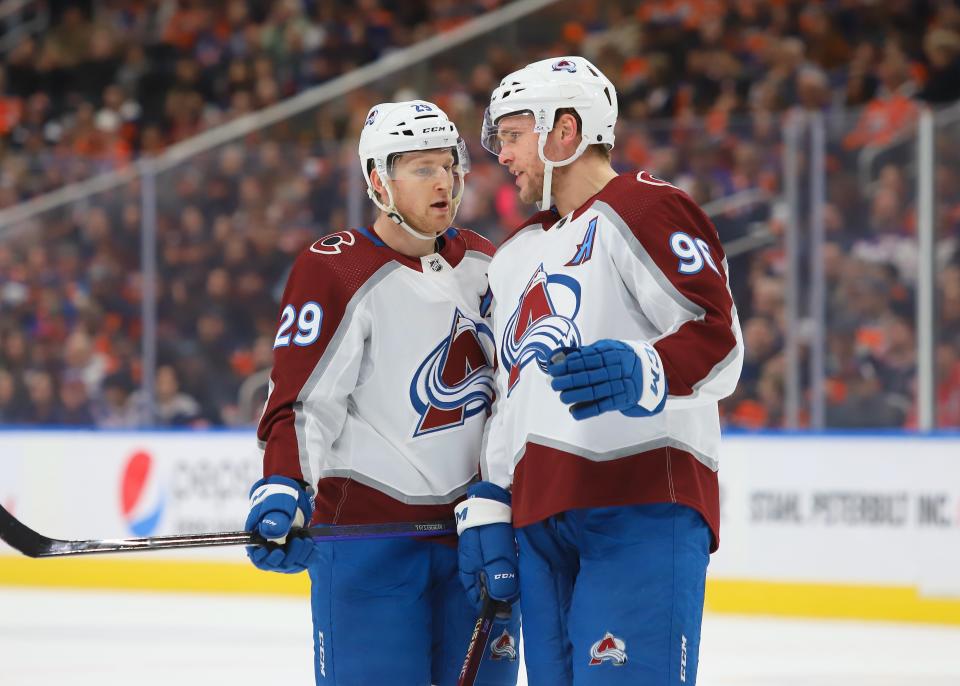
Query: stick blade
<point>24,539</point>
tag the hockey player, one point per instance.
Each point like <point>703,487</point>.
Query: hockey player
<point>616,336</point>
<point>379,393</point>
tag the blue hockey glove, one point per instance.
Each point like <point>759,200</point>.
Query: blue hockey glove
<point>487,547</point>
<point>609,376</point>
<point>278,504</point>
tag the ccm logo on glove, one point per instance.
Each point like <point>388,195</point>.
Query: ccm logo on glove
<point>609,376</point>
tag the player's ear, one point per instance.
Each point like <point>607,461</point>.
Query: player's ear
<point>568,130</point>
<point>376,182</point>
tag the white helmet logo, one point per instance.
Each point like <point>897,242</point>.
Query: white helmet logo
<point>371,117</point>
<point>564,65</point>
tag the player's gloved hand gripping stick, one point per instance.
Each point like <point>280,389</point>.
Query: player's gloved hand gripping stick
<point>487,552</point>
<point>278,504</point>
<point>487,548</point>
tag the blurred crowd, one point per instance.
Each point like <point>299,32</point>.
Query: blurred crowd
<point>108,80</point>
<point>707,89</point>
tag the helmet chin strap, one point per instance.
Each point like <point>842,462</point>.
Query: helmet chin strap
<point>549,164</point>
<point>547,183</point>
<point>394,214</point>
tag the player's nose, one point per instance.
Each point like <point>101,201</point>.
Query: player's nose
<point>443,182</point>
<point>504,157</point>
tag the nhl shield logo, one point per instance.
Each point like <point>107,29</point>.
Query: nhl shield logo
<point>504,648</point>
<point>608,649</point>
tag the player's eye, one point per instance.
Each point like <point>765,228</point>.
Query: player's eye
<point>423,172</point>
<point>509,136</point>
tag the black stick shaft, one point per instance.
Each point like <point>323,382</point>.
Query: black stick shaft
<point>30,543</point>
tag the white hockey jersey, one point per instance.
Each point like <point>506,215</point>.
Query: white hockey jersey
<point>639,261</point>
<point>381,382</point>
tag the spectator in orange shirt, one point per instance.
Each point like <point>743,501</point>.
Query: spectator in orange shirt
<point>891,110</point>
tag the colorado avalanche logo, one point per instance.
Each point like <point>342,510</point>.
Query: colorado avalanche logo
<point>542,322</point>
<point>609,648</point>
<point>504,647</point>
<point>564,65</point>
<point>455,382</point>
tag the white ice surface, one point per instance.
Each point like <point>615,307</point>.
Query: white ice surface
<point>58,638</point>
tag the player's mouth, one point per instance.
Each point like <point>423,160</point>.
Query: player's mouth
<point>440,205</point>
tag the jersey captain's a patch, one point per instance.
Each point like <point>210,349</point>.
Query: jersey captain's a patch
<point>585,249</point>
<point>455,382</point>
<point>541,323</point>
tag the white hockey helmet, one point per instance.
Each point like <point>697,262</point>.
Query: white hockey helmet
<point>542,88</point>
<point>392,128</point>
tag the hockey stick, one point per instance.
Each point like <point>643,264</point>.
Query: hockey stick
<point>489,609</point>
<point>33,544</point>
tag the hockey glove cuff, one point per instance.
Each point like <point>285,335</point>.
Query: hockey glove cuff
<point>486,503</point>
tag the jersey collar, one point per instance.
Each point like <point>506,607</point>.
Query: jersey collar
<point>453,250</point>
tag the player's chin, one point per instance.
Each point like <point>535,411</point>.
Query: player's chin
<point>530,195</point>
<point>432,225</point>
<point>438,219</point>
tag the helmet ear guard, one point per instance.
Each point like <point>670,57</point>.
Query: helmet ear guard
<point>543,88</point>
<point>394,128</point>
